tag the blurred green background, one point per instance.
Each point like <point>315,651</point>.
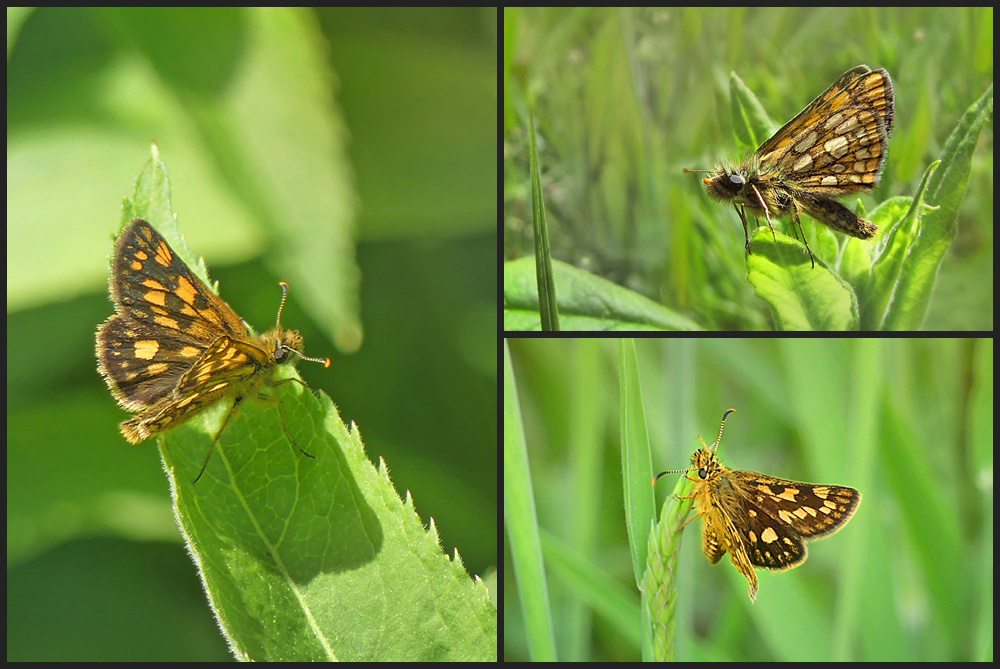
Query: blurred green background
<point>908,422</point>
<point>351,153</point>
<point>626,98</point>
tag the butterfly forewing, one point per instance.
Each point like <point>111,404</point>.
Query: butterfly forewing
<point>837,144</point>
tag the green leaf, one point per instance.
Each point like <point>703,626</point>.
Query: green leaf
<point>800,297</point>
<point>548,308</point>
<point>945,189</point>
<point>751,124</point>
<point>586,302</point>
<point>521,524</point>
<point>317,559</point>
<point>637,468</point>
<point>310,558</point>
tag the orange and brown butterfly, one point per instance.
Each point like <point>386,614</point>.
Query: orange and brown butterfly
<point>834,147</point>
<point>760,520</point>
<point>173,347</point>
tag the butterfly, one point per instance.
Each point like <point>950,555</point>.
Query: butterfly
<point>173,347</point>
<point>834,147</point>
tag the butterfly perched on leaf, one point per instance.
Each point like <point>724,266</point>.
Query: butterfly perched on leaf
<point>834,147</point>
<point>173,347</point>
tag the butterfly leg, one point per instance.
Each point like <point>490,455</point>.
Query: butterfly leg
<point>812,258</point>
<point>743,219</point>
<point>281,409</point>
<point>686,522</point>
<point>767,214</point>
<point>218,434</point>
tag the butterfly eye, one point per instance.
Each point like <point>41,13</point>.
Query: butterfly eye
<point>702,473</point>
<point>731,182</point>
